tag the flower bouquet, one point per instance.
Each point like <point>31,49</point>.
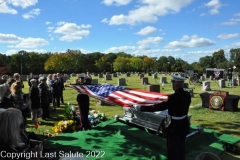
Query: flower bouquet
<point>65,126</point>
<point>95,117</point>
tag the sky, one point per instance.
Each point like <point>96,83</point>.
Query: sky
<point>186,29</point>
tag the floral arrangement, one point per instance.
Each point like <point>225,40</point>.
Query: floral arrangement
<point>65,126</point>
<point>72,121</point>
<point>96,117</point>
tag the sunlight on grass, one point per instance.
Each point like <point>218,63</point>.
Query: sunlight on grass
<point>226,122</point>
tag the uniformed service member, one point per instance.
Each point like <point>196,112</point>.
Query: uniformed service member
<point>178,105</point>
<point>83,104</point>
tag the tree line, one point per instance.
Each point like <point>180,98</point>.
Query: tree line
<point>74,61</point>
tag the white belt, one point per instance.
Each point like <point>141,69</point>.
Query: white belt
<point>178,118</point>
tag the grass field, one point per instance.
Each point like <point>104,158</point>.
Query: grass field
<point>225,122</point>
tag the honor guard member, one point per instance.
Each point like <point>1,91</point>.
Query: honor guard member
<point>178,105</point>
<point>83,104</point>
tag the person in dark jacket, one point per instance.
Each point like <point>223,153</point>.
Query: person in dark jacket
<point>34,96</point>
<point>44,97</point>
<point>178,105</point>
<point>55,90</point>
<point>83,105</point>
<point>30,78</point>
<point>62,88</point>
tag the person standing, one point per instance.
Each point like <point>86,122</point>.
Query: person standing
<point>178,105</point>
<point>61,87</point>
<point>34,96</point>
<point>44,97</point>
<point>230,70</point>
<point>16,77</point>
<point>30,78</point>
<point>55,90</point>
<point>83,105</point>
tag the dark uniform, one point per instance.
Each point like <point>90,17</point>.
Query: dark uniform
<point>83,105</point>
<point>178,105</point>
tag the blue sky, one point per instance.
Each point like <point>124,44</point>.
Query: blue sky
<point>186,29</point>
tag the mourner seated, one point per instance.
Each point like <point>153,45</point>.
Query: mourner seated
<point>11,125</point>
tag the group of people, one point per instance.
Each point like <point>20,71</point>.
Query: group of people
<point>40,90</point>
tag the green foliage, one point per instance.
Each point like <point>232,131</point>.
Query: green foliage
<point>75,61</point>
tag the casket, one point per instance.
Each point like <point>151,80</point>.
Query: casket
<point>149,120</point>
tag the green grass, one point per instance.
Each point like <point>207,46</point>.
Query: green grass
<point>225,122</point>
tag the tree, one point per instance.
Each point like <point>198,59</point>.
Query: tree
<point>235,58</point>
<point>206,62</point>
<point>136,64</point>
<point>121,64</point>
<point>148,64</point>
<point>219,59</point>
<point>162,63</point>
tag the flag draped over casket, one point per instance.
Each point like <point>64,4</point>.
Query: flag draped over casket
<point>121,96</point>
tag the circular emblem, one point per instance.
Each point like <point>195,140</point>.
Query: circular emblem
<point>216,102</point>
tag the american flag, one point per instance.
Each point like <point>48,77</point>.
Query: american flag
<point>121,96</point>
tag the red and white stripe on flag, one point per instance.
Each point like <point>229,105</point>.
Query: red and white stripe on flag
<point>121,96</point>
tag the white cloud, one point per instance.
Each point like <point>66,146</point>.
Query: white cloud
<point>203,14</point>
<point>32,13</point>
<point>119,49</point>
<point>153,40</point>
<point>86,26</point>
<point>232,21</point>
<point>237,14</point>
<point>71,31</point>
<point>148,11</point>
<point>147,30</point>
<point>228,36</point>
<point>215,5</point>
<point>9,38</point>
<point>192,42</point>
<point>50,28</point>
<point>30,43</point>
<point>47,23</point>
<point>6,6</point>
<point>116,2</point>
<point>10,52</point>
<point>236,44</point>
<point>23,3</point>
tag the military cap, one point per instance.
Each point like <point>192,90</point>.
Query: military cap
<point>176,78</point>
<point>33,80</point>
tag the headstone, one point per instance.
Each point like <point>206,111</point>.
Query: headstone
<point>221,83</point>
<point>95,74</point>
<point>122,82</point>
<point>141,76</point>
<point>153,88</point>
<point>107,73</point>
<point>190,90</point>
<point>94,81</point>
<point>234,82</point>
<point>23,77</point>
<point>149,74</point>
<point>103,103</point>
<point>163,80</point>
<point>100,75</point>
<point>108,77</point>
<point>206,86</point>
<point>73,75</point>
<point>202,78</point>
<point>185,85</point>
<point>127,74</point>
<point>211,78</point>
<point>114,74</point>
<point>155,76</point>
<point>145,80</point>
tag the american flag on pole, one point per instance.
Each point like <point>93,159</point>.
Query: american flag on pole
<point>121,96</point>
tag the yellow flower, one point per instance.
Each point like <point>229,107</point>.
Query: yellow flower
<point>60,123</point>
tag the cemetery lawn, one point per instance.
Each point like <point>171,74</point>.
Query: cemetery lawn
<point>221,121</point>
